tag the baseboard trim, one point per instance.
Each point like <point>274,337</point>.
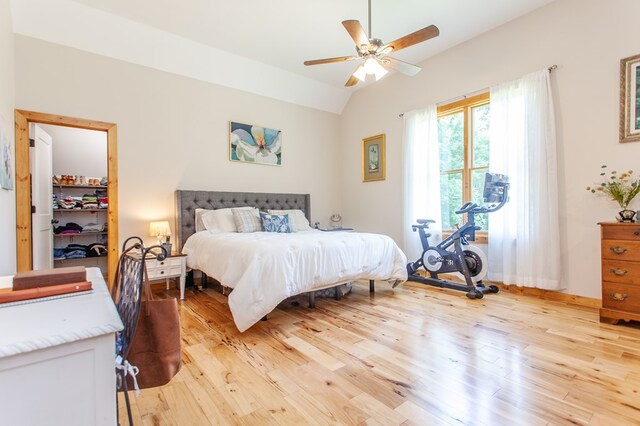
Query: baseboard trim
<point>556,296</point>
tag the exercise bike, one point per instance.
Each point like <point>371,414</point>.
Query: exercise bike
<point>455,254</point>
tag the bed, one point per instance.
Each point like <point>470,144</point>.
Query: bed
<point>265,268</point>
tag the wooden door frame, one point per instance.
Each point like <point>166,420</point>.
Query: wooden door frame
<point>23,184</point>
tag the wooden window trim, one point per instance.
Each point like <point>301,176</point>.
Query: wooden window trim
<point>465,106</point>
<point>482,237</point>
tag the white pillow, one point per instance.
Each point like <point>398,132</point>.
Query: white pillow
<point>199,224</point>
<point>220,220</point>
<point>297,220</point>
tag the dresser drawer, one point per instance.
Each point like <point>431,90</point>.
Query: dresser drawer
<point>169,262</point>
<point>621,250</point>
<point>621,232</point>
<point>155,273</point>
<point>622,297</point>
<point>620,271</point>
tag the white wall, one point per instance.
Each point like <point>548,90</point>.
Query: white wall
<point>7,198</point>
<point>586,39</point>
<point>78,151</point>
<point>173,131</point>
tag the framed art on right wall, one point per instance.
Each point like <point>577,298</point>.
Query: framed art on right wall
<point>630,99</point>
<point>373,158</point>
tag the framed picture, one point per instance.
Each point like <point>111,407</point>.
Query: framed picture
<point>373,158</point>
<point>630,99</point>
<point>6,162</point>
<point>254,144</point>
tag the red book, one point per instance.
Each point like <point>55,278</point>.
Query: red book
<point>9,295</point>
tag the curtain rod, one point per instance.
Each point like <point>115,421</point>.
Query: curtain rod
<point>551,68</point>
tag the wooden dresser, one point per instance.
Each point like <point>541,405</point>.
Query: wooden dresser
<point>620,250</point>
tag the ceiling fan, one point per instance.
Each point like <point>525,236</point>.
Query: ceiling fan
<point>374,52</point>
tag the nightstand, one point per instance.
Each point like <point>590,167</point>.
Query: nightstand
<point>174,266</point>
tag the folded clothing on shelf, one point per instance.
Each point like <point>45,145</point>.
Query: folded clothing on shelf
<point>87,201</point>
<point>68,228</point>
<point>80,251</point>
<point>96,250</point>
<point>59,254</point>
<point>92,227</point>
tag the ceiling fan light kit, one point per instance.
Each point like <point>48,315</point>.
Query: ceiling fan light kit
<point>373,52</point>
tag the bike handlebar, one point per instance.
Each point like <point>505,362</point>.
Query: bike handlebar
<point>467,208</point>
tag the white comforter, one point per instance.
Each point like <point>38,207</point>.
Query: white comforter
<point>264,268</point>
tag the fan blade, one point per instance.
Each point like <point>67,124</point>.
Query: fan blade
<point>356,32</point>
<point>353,80</point>
<point>330,60</point>
<point>411,39</point>
<point>398,65</point>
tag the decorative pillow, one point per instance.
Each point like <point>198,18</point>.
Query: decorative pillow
<point>220,220</point>
<point>297,220</point>
<point>247,220</point>
<point>275,223</point>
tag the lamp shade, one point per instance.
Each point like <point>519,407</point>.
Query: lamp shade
<point>159,228</point>
<point>360,73</point>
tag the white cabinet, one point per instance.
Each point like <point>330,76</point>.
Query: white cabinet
<point>57,360</point>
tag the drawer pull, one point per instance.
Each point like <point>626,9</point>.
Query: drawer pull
<point>637,233</point>
<point>162,263</point>
<point>161,272</point>
<point>618,250</point>
<point>619,272</point>
<point>620,297</point>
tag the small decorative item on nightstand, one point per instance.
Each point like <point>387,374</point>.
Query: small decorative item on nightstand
<point>167,246</point>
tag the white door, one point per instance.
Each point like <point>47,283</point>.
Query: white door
<point>41,163</point>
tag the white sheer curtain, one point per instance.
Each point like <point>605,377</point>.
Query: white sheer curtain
<point>421,177</point>
<point>524,247</point>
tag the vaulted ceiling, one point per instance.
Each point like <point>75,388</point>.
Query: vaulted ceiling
<point>258,45</point>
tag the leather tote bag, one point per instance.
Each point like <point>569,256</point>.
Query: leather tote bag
<point>155,349</point>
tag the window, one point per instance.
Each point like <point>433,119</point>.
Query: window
<point>463,137</point>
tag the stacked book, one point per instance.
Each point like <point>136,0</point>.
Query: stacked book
<point>46,283</point>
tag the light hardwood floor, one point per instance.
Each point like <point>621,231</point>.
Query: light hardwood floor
<point>411,355</point>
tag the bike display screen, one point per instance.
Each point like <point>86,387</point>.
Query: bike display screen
<point>494,187</point>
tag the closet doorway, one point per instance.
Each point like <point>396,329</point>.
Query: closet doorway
<point>25,186</point>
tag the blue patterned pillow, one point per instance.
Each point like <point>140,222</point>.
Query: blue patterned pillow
<point>275,223</point>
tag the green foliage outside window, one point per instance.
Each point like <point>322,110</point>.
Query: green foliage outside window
<point>452,163</point>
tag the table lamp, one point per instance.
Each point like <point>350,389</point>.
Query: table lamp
<point>160,230</point>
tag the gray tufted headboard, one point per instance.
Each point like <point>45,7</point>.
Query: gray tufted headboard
<point>188,201</point>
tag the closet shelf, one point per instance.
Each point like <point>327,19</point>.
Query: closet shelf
<point>81,234</point>
<point>77,259</point>
<point>78,210</point>
<point>81,186</point>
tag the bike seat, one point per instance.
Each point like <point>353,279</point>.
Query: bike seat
<point>425,221</point>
